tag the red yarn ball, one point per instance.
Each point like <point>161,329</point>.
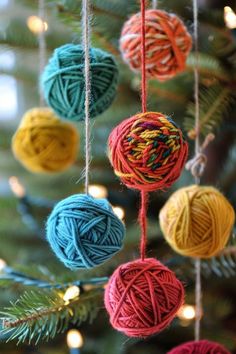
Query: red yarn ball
<point>168,44</point>
<point>147,151</point>
<point>142,297</point>
<point>200,347</point>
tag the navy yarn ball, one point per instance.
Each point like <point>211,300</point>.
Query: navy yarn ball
<point>63,84</point>
<point>84,232</point>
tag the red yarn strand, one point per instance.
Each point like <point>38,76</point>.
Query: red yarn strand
<point>143,223</point>
<point>143,58</point>
<point>144,195</point>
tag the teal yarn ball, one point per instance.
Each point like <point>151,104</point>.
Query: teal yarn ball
<point>84,232</point>
<point>63,84</point>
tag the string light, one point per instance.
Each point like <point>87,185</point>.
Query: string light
<point>187,312</point>
<point>229,17</point>
<point>97,191</point>
<point>36,25</point>
<point>71,293</point>
<point>120,212</point>
<point>2,264</point>
<point>16,187</point>
<point>74,341</point>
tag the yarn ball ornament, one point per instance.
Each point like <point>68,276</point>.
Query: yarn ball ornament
<point>197,221</point>
<point>199,347</point>
<point>168,44</point>
<point>142,297</point>
<point>63,84</point>
<point>147,151</point>
<point>43,143</point>
<point>84,232</point>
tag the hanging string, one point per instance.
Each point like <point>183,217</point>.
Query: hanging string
<point>42,45</point>
<point>198,290</point>
<point>154,4</point>
<point>144,195</point>
<point>86,44</point>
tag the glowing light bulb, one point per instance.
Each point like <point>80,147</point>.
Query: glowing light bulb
<point>74,339</point>
<point>229,17</point>
<point>16,187</point>
<point>119,212</point>
<point>187,312</point>
<point>97,191</point>
<point>36,24</point>
<point>71,293</point>
<point>2,264</point>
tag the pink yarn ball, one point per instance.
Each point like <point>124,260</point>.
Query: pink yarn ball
<point>142,297</point>
<point>200,347</point>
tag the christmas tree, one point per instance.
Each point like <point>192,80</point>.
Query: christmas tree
<point>41,299</point>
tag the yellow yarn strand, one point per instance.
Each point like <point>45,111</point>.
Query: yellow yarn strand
<point>43,143</point>
<point>197,221</point>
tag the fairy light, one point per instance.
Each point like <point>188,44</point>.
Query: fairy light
<point>2,264</point>
<point>36,24</point>
<point>71,293</point>
<point>187,312</point>
<point>16,187</point>
<point>74,341</point>
<point>120,212</point>
<point>229,17</point>
<point>97,191</point>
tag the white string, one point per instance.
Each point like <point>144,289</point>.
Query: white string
<point>154,4</point>
<point>86,44</point>
<point>42,46</point>
<point>198,290</point>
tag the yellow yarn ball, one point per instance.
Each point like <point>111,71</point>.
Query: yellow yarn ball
<point>197,221</point>
<point>43,143</point>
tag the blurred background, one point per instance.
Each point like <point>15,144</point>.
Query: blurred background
<point>23,210</point>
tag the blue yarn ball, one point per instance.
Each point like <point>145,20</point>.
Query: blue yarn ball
<point>84,232</point>
<point>63,84</point>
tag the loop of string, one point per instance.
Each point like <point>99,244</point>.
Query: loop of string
<point>198,163</point>
<point>86,45</point>
<point>42,45</point>
<point>144,195</point>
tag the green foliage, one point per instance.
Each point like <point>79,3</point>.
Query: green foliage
<point>40,315</point>
<point>214,104</point>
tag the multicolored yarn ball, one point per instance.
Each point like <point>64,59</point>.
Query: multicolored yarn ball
<point>197,221</point>
<point>84,232</point>
<point>200,347</point>
<point>142,297</point>
<point>43,143</point>
<point>63,82</point>
<point>168,44</point>
<point>147,151</point>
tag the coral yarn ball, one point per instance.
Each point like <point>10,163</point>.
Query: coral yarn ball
<point>43,143</point>
<point>147,151</point>
<point>84,232</point>
<point>168,44</point>
<point>63,83</point>
<point>200,347</point>
<point>142,297</point>
<point>197,221</point>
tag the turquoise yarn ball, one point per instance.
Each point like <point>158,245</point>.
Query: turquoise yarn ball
<point>63,85</point>
<point>84,232</point>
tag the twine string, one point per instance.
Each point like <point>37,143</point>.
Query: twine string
<point>154,4</point>
<point>42,46</point>
<point>198,288</point>
<point>86,45</point>
<point>144,195</point>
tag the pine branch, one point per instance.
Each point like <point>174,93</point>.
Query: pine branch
<point>214,103</point>
<point>40,315</point>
